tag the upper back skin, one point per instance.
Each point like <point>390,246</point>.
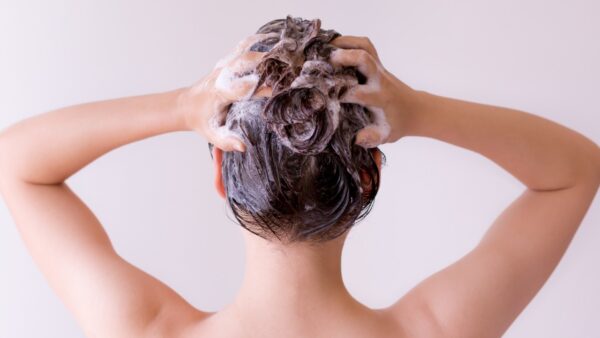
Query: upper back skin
<point>358,322</point>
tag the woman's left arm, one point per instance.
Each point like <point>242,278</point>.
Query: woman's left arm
<point>108,296</point>
<point>48,148</point>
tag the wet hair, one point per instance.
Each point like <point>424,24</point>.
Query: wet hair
<point>299,179</point>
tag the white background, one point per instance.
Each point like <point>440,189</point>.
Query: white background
<point>156,197</point>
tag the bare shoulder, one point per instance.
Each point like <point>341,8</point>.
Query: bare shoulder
<point>178,319</point>
<point>413,317</point>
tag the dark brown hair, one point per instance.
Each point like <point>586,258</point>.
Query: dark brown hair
<point>300,176</point>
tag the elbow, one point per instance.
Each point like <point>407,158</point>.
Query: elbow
<point>596,166</point>
<point>582,168</point>
<point>589,172</point>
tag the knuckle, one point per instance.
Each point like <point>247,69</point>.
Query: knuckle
<point>357,95</point>
<point>337,54</point>
<point>370,46</point>
<point>365,98</point>
<point>368,59</point>
<point>362,55</point>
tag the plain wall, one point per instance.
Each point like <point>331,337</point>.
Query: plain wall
<point>156,197</point>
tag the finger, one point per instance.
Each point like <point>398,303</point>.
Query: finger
<point>377,132</point>
<point>224,139</point>
<point>239,79</point>
<point>246,62</point>
<point>369,137</point>
<point>216,131</point>
<point>356,42</point>
<point>355,58</point>
<point>230,144</point>
<point>264,91</point>
<point>359,94</point>
<point>234,88</point>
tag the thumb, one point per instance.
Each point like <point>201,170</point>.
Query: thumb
<point>368,137</point>
<point>224,140</point>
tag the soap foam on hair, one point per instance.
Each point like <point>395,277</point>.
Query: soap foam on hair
<point>333,104</point>
<point>299,179</point>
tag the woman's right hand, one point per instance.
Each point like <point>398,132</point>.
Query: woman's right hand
<point>390,100</point>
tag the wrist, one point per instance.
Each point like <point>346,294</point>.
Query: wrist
<point>181,108</point>
<point>417,111</point>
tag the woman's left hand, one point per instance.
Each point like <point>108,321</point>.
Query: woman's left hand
<point>204,105</point>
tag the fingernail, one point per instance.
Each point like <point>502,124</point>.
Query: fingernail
<point>238,146</point>
<point>366,141</point>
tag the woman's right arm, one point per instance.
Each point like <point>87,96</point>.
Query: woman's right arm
<point>482,293</point>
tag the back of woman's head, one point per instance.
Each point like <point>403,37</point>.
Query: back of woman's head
<point>301,178</point>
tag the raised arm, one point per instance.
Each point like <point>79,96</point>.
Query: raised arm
<point>108,296</point>
<point>481,294</point>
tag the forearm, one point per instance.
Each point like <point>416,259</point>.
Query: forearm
<point>540,153</point>
<point>50,147</point>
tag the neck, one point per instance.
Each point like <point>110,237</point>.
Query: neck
<point>295,277</point>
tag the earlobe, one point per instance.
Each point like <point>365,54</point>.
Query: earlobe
<point>217,159</point>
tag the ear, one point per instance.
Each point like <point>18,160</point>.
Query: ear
<point>377,157</point>
<point>217,159</point>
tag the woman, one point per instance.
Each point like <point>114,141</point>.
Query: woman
<point>293,285</point>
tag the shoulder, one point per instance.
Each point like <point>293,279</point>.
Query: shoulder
<point>413,317</point>
<point>177,319</point>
